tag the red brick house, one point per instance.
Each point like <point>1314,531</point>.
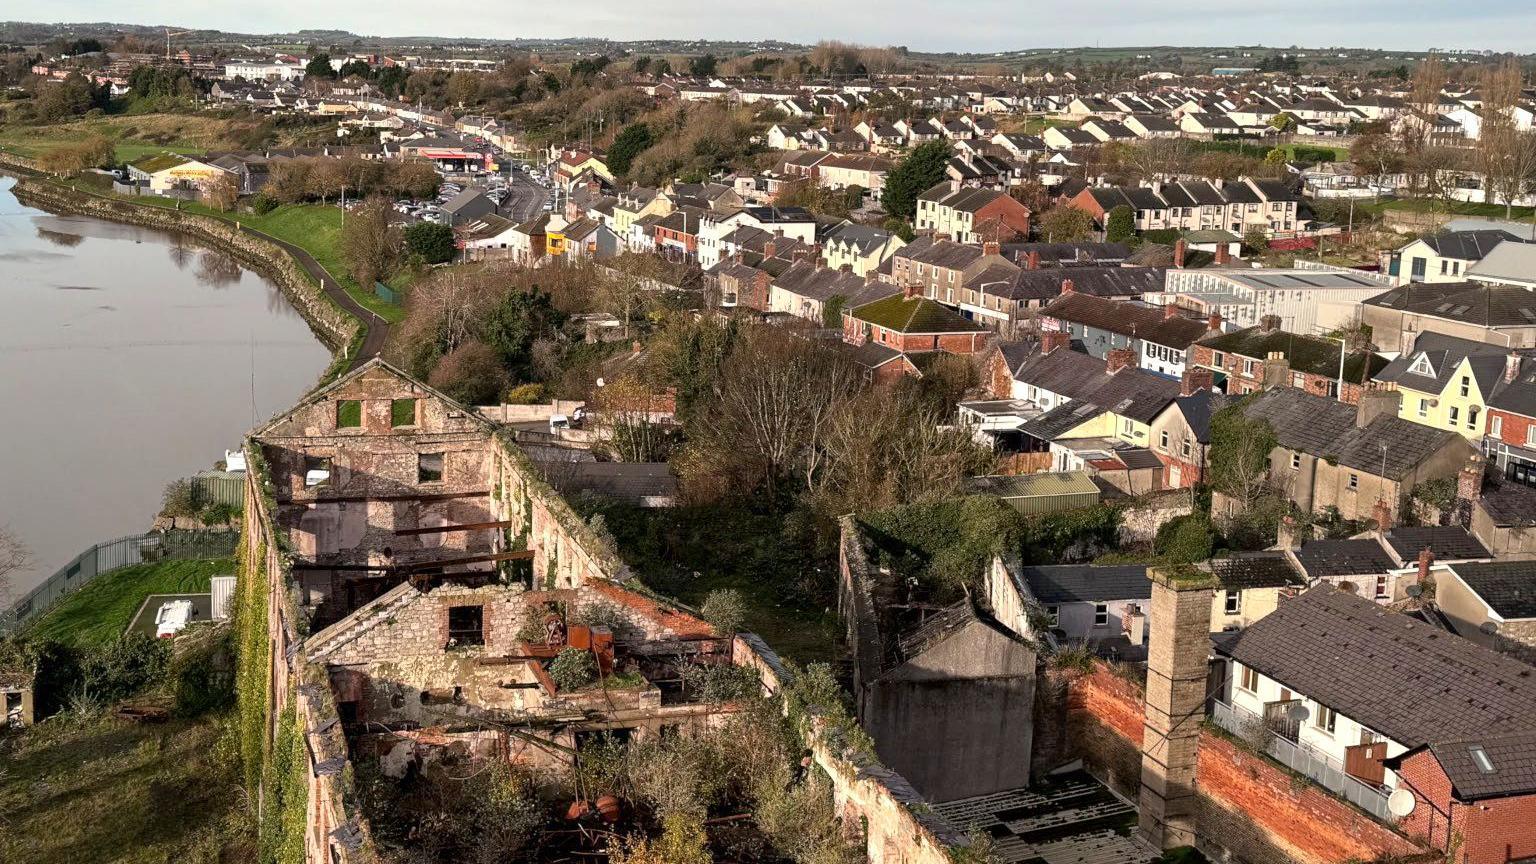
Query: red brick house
<point>910,322</point>
<point>971,215</point>
<point>1474,799</point>
<point>677,234</point>
<point>1309,363</point>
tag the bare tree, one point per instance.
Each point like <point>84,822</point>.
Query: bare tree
<point>369,243</point>
<point>1507,154</point>
<point>14,557</point>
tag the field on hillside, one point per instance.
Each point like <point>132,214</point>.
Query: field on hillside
<point>99,613</point>
<point>138,135</point>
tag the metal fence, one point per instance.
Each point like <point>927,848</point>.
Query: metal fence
<point>220,488</point>
<point>386,293</point>
<point>114,555</point>
<point>1303,759</point>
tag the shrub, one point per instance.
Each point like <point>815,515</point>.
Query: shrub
<point>573,669</point>
<point>430,240</point>
<point>1185,540</point>
<point>181,498</point>
<point>725,611</point>
<point>471,374</point>
<point>219,513</point>
<point>524,394</point>
<point>262,204</point>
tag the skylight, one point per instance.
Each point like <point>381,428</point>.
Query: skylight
<point>1480,759</point>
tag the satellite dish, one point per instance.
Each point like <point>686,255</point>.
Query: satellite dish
<point>1488,628</point>
<point>1298,712</point>
<point>1401,803</point>
<point>1415,590</point>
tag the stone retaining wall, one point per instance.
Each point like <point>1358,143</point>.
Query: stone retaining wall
<point>331,324</point>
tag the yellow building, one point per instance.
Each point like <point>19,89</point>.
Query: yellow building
<point>1446,382</point>
<point>164,172</point>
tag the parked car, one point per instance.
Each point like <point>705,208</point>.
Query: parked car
<point>172,618</point>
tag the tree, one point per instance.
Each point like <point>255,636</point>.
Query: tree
<point>1066,224</point>
<point>93,152</point>
<point>369,243</point>
<point>1376,157</point>
<point>725,611</point>
<point>471,374</point>
<point>1283,122</point>
<point>633,140</point>
<point>1256,240</point>
<point>703,66</point>
<point>1240,450</point>
<point>1506,154</point>
<point>13,558</point>
<point>220,193</point>
<point>920,171</point>
<point>432,241</point>
<point>1120,225</point>
<point>319,66</point>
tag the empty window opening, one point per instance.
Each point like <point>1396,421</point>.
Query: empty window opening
<point>402,412</point>
<point>349,414</point>
<point>429,468</point>
<point>466,625</point>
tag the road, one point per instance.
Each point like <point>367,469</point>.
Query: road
<point>377,328</point>
<point>525,198</point>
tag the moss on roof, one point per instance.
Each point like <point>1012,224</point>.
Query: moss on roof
<point>914,315</point>
<point>1310,354</point>
<point>160,162</point>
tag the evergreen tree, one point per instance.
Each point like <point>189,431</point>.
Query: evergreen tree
<point>1121,225</point>
<point>920,171</point>
<point>631,142</point>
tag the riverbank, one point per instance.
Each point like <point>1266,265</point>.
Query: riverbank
<point>350,331</point>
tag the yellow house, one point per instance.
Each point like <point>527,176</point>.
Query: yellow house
<point>166,171</point>
<point>1446,382</point>
<point>635,203</point>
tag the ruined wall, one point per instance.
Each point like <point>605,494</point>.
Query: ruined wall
<point>335,327</point>
<point>1246,804</point>
<point>1139,521</point>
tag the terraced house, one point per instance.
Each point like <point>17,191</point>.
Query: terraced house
<point>1446,382</point>
<point>1248,360</point>
<point>971,215</point>
<point>1236,206</point>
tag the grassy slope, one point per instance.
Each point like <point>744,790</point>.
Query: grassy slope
<point>102,610</point>
<point>109,791</point>
<point>312,227</point>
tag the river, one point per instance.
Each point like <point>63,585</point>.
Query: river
<point>128,358</point>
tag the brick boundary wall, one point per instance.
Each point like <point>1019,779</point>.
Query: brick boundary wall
<point>1248,806</point>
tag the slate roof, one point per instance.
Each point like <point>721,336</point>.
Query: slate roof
<point>914,315</point>
<point>1507,586</point>
<point>1060,420</point>
<point>1146,323</point>
<point>1508,504</point>
<point>1243,570</point>
<point>1464,302</point>
<point>1087,583</point>
<point>1514,262</point>
<point>1467,245</point>
<point>1445,354</point>
<point>1310,354</point>
<point>1045,285</point>
<point>1514,765</point>
<point>1325,428</point>
<point>1067,254</point>
<point>1197,409</point>
<point>821,283</point>
<point>1343,558</point>
<point>940,253</point>
<point>1448,542</point>
<point>1412,682</point>
<point>965,200</point>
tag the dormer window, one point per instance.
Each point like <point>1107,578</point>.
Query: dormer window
<point>1421,366</point>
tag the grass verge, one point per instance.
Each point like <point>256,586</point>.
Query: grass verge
<point>99,613</point>
<point>104,790</point>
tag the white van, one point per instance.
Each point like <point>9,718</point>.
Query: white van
<point>172,618</point>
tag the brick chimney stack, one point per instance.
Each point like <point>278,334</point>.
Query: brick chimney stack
<point>1377,402</point>
<point>1119,358</point>
<point>991,247</point>
<point>1469,489</point>
<point>1285,534</point>
<point>1179,248</point>
<point>1426,561</point>
<point>1050,340</point>
<point>1067,286</point>
<point>913,290</point>
<point>1511,368</point>
<point>1269,323</point>
<point>770,249</point>
<point>1170,312</point>
<point>1213,321</point>
<point>1032,261</point>
<point>1382,514</point>
<point>1223,254</point>
<point>1195,379</point>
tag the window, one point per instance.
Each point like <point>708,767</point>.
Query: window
<point>466,625</point>
<point>1423,407</point>
<point>1249,680</point>
<point>1233,602</point>
<point>1472,412</point>
<point>1126,425</point>
<point>1530,435</point>
<point>1250,367</point>
<point>1295,461</point>
<point>349,414</point>
<point>1184,448</point>
<point>429,468</point>
<point>1101,614</point>
<point>1162,440</point>
<point>1053,613</point>
<point>317,471</point>
<point>402,412</point>
<point>1325,719</point>
<point>1480,759</point>
<point>1466,386</point>
<point>1444,266</point>
<point>1454,415</point>
<point>1495,425</point>
<point>1381,586</point>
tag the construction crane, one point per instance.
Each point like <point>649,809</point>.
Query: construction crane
<point>168,34</point>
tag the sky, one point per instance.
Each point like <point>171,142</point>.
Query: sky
<point>923,25</point>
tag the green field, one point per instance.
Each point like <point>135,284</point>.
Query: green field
<point>99,613</point>
<point>1460,208</point>
<point>104,790</point>
<point>314,228</point>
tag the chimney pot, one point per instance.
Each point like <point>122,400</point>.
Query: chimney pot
<point>1511,368</point>
<point>769,249</point>
<point>991,247</point>
<point>1269,323</point>
<point>1382,514</point>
